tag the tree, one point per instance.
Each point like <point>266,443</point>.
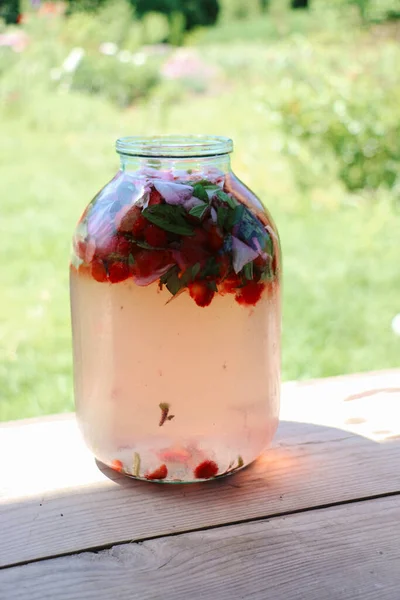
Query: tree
<point>9,10</point>
<point>300,3</point>
<point>195,12</point>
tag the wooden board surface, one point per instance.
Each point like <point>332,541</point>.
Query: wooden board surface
<point>339,440</point>
<point>349,552</point>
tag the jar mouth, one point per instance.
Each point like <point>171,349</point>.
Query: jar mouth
<point>174,146</point>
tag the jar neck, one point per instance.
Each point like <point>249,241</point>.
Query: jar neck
<point>200,163</point>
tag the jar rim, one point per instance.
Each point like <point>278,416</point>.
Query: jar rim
<point>174,146</point>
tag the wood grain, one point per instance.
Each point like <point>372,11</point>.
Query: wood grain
<point>329,449</point>
<point>349,552</point>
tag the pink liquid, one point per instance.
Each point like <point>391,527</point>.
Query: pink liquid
<point>216,367</point>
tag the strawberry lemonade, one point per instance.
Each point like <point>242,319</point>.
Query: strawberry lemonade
<point>176,315</point>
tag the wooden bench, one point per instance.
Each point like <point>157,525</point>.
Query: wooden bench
<point>317,517</point>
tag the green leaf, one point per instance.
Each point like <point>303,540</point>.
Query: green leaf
<point>200,192</point>
<point>248,271</point>
<point>226,198</point>
<point>234,217</point>
<point>195,270</point>
<point>198,211</point>
<point>131,260</point>
<point>170,218</point>
<point>212,285</point>
<point>172,281</point>
<point>222,214</point>
<point>240,462</point>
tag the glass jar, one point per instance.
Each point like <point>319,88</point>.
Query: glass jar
<point>175,300</point>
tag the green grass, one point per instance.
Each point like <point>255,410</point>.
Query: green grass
<point>341,253</point>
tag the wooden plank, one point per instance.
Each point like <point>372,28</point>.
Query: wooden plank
<point>349,552</point>
<point>55,500</point>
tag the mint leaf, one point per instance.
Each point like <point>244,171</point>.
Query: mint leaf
<point>145,245</point>
<point>131,260</point>
<point>248,271</point>
<point>226,198</point>
<point>168,217</point>
<point>234,217</point>
<point>199,192</point>
<point>172,281</point>
<point>198,211</point>
<point>190,274</point>
<point>222,214</point>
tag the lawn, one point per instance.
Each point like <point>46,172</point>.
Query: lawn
<point>340,250</point>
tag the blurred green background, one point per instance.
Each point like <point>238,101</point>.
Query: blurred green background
<point>310,93</point>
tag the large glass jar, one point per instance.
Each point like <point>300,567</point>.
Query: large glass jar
<point>176,314</point>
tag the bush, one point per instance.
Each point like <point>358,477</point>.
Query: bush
<point>349,111</point>
<point>9,10</point>
<point>119,82</point>
<point>195,12</point>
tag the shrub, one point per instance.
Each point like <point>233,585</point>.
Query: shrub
<point>121,82</point>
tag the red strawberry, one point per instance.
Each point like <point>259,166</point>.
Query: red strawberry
<point>159,473</point>
<point>155,236</point>
<point>215,238</point>
<point>118,271</point>
<point>201,293</point>
<point>117,465</point>
<point>123,247</point>
<point>250,293</point>
<point>148,261</point>
<point>99,272</point>
<point>230,284</point>
<point>206,470</point>
<point>139,226</point>
<point>155,197</point>
<point>124,219</point>
<point>260,262</point>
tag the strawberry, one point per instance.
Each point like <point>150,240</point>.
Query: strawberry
<point>124,220</point>
<point>159,473</point>
<point>155,236</point>
<point>117,465</point>
<point>118,271</point>
<point>175,454</point>
<point>99,272</point>
<point>201,293</point>
<point>260,262</point>
<point>193,248</point>
<point>148,261</point>
<point>139,226</point>
<point>155,198</point>
<point>250,293</point>
<point>230,284</point>
<point>123,247</point>
<point>215,238</point>
<point>206,470</point>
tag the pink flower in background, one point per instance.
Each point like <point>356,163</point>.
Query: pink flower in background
<point>186,64</point>
<point>17,40</point>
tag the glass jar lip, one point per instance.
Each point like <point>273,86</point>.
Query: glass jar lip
<point>174,146</point>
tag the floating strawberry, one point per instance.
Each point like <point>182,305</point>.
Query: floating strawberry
<point>118,271</point>
<point>155,236</point>
<point>126,217</point>
<point>201,293</point>
<point>155,198</point>
<point>159,473</point>
<point>123,247</point>
<point>206,470</point>
<point>139,226</point>
<point>250,293</point>
<point>230,285</point>
<point>98,270</point>
<point>117,465</point>
<point>149,261</point>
